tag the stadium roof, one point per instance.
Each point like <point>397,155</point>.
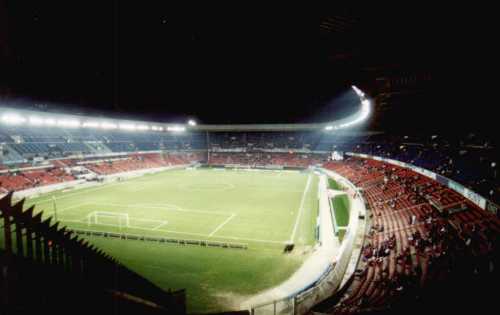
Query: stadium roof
<point>14,116</point>
<point>232,64</point>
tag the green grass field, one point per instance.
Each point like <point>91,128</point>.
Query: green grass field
<point>341,208</point>
<point>332,184</point>
<point>263,209</point>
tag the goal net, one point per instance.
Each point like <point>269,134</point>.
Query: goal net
<point>115,219</point>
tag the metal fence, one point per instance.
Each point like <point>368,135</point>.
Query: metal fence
<point>162,240</point>
<point>322,288</point>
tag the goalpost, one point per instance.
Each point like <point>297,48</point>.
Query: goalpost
<point>115,219</point>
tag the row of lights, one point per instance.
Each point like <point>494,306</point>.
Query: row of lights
<point>361,116</point>
<point>16,119</point>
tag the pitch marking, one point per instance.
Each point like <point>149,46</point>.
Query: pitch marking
<point>301,208</point>
<point>222,224</point>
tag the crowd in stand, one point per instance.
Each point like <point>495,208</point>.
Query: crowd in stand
<point>469,159</point>
<point>20,180</point>
<point>141,161</point>
<point>261,159</point>
<point>25,177</point>
<point>416,245</point>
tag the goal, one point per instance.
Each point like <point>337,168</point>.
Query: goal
<point>115,219</point>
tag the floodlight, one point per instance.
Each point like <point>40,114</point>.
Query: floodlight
<point>90,124</point>
<point>49,122</point>
<point>13,119</point>
<point>191,122</point>
<point>142,127</point>
<point>176,128</point>
<point>358,91</point>
<point>36,121</point>
<point>361,115</point>
<point>70,123</point>
<point>108,125</point>
<point>127,126</point>
<point>328,127</point>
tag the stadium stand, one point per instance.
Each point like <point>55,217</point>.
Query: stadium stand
<point>469,159</point>
<point>141,161</point>
<point>28,178</point>
<point>261,159</point>
<point>25,177</point>
<point>421,235</point>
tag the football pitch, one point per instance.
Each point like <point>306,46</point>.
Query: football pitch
<point>259,209</point>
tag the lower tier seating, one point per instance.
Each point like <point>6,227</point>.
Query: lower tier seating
<point>414,241</point>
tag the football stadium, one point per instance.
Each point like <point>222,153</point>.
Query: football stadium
<point>362,192</point>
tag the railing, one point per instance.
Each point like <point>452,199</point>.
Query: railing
<point>324,287</point>
<point>44,266</point>
<point>472,196</point>
<point>161,240</point>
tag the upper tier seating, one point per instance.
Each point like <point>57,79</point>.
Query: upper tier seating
<point>267,158</point>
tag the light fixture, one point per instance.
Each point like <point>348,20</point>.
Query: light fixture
<point>90,124</point>
<point>176,128</point>
<point>35,121</point>
<point>108,125</point>
<point>13,119</point>
<point>127,126</point>
<point>69,123</point>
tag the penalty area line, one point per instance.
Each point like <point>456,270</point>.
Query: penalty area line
<point>222,224</point>
<point>159,226</point>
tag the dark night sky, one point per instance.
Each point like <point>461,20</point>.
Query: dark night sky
<point>226,64</point>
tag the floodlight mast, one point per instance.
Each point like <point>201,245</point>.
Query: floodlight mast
<point>359,117</point>
<point>358,91</point>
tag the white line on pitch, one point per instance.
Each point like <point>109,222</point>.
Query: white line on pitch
<point>79,192</point>
<point>249,239</point>
<point>72,207</point>
<point>179,232</point>
<point>189,233</point>
<point>222,224</point>
<point>148,220</point>
<point>301,208</point>
<point>73,221</point>
<point>166,207</point>
<point>59,211</point>
<point>160,225</point>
